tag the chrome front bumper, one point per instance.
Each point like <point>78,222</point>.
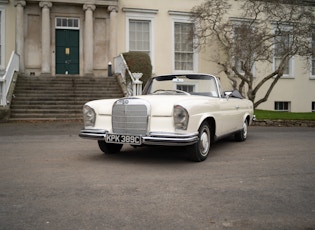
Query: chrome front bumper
<point>170,139</point>
<point>93,134</point>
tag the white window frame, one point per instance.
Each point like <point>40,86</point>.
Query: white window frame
<point>291,60</point>
<point>67,27</point>
<point>142,15</point>
<point>137,22</point>
<point>236,22</point>
<point>182,17</point>
<point>288,103</point>
<point>2,38</point>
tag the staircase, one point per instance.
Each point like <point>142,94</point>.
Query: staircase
<point>59,98</point>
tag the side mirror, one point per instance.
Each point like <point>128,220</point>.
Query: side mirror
<point>234,93</point>
<point>227,94</point>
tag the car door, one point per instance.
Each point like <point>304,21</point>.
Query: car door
<point>230,115</point>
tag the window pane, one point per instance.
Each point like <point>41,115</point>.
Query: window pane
<point>70,22</point>
<point>242,47</point>
<point>139,35</point>
<point>132,45</point>
<point>281,47</point>
<point>286,68</point>
<point>183,46</point>
<point>67,23</point>
<point>282,106</point>
<point>313,52</point>
<point>64,22</point>
<point>76,23</point>
<point>58,22</point>
<point>1,41</point>
<point>282,43</point>
<point>313,42</point>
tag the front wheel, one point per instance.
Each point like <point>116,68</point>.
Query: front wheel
<point>200,150</point>
<point>242,134</point>
<point>109,148</point>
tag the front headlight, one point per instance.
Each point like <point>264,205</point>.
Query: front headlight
<point>181,117</point>
<point>89,116</point>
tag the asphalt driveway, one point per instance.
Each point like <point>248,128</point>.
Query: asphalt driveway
<point>52,179</point>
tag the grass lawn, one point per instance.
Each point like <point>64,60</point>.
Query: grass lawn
<point>274,115</point>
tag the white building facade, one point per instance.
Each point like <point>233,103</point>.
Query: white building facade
<point>7,33</point>
<point>66,37</point>
<point>81,37</point>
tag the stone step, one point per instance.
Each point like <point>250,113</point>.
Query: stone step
<point>52,102</point>
<point>47,111</point>
<point>62,84</point>
<point>50,116</point>
<point>52,96</point>
<point>59,98</point>
<point>39,101</point>
<point>45,106</point>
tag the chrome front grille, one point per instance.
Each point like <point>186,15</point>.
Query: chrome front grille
<point>130,116</point>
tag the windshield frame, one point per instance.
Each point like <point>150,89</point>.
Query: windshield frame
<point>170,77</point>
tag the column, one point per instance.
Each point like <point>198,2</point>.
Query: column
<point>88,39</point>
<point>46,37</point>
<point>112,32</point>
<point>19,27</point>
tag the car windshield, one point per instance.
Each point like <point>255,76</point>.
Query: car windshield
<point>193,84</point>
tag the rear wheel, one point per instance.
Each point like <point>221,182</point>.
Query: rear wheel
<point>242,134</point>
<point>200,150</point>
<point>109,148</point>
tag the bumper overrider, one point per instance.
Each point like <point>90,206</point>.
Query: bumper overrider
<point>171,139</point>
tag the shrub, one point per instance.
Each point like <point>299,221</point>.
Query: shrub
<point>139,62</point>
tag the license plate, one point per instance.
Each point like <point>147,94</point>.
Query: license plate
<point>123,139</point>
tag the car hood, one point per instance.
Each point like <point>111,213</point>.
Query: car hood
<point>161,105</point>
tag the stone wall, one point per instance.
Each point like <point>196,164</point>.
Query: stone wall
<point>4,114</point>
<point>284,123</point>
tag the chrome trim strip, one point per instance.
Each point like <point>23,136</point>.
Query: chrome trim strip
<point>169,139</point>
<point>94,134</point>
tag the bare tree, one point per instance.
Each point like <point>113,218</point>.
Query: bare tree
<point>265,31</point>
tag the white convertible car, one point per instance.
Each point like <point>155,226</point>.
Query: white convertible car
<point>175,110</point>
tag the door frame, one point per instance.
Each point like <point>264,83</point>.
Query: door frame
<point>67,23</point>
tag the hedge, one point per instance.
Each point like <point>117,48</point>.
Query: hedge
<point>139,62</point>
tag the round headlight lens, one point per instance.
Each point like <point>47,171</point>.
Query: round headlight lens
<point>181,117</point>
<point>89,116</point>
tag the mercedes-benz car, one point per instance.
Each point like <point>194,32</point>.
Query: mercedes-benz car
<point>174,110</point>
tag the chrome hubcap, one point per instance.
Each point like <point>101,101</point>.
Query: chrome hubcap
<point>204,142</point>
<point>245,130</point>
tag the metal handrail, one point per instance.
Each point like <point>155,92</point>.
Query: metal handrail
<point>122,68</point>
<point>6,79</point>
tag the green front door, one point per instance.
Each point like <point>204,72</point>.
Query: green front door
<point>67,52</point>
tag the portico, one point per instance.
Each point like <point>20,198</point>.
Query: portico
<point>37,42</point>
